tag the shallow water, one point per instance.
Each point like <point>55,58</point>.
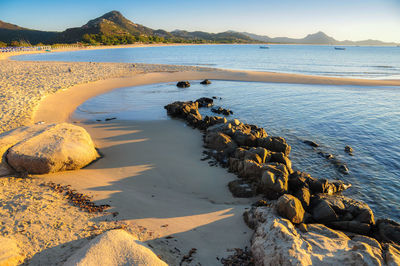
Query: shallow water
<point>367,119</point>
<point>356,62</point>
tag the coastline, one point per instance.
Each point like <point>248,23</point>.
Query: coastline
<point>134,168</point>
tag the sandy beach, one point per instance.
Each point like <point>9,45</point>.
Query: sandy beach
<point>155,182</point>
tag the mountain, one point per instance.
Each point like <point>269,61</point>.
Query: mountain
<point>110,24</point>
<point>10,32</point>
<point>114,28</point>
<point>316,38</point>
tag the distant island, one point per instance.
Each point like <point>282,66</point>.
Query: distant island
<point>114,29</point>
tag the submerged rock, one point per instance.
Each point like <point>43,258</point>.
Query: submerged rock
<point>348,149</point>
<point>311,143</point>
<point>41,149</point>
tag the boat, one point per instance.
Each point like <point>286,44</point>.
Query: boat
<point>340,48</point>
<point>264,47</point>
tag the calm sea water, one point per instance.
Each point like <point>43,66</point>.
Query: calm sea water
<point>368,119</point>
<point>362,62</point>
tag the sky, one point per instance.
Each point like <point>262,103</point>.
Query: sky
<point>341,19</point>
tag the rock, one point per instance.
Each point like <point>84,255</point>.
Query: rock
<point>392,255</point>
<point>279,157</point>
<point>42,149</point>
<point>183,84</point>
<point>254,157</point>
<point>221,110</point>
<point>367,240</point>
<point>185,110</point>
<point>276,144</point>
<point>10,254</point>
<point>388,231</point>
<point>241,189</point>
<point>275,178</point>
<point>277,242</point>
<point>220,142</point>
<point>244,139</point>
<point>290,207</point>
<point>209,121</point>
<point>298,180</point>
<point>205,102</point>
<point>264,154</point>
<point>349,150</point>
<point>251,170</point>
<point>324,213</point>
<point>311,143</point>
<point>115,247</point>
<point>304,196</point>
<point>329,209</point>
<point>352,226</point>
<point>205,82</point>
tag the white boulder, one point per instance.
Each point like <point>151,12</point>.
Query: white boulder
<point>115,247</point>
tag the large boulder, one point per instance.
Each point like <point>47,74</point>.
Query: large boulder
<point>275,179</point>
<point>49,148</point>
<point>11,138</point>
<point>277,241</point>
<point>115,247</point>
<point>10,253</point>
<point>290,207</point>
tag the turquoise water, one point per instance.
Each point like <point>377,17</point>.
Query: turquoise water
<point>367,119</point>
<point>357,62</point>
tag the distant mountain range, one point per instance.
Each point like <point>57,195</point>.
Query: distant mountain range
<point>316,38</point>
<point>114,28</point>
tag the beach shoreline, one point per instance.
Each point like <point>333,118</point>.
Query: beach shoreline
<point>138,161</point>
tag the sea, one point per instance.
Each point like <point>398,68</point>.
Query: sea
<point>365,118</point>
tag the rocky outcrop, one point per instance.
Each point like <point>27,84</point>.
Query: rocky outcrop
<point>115,247</point>
<point>41,149</point>
<point>277,241</point>
<point>10,253</point>
<point>183,84</point>
<point>188,111</point>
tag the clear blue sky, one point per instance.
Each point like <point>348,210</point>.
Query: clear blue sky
<point>342,19</point>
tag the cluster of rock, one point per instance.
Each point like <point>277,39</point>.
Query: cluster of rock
<point>277,241</point>
<point>262,163</point>
<point>45,148</point>
<point>222,111</point>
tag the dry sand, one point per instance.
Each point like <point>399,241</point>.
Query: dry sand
<point>151,173</point>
